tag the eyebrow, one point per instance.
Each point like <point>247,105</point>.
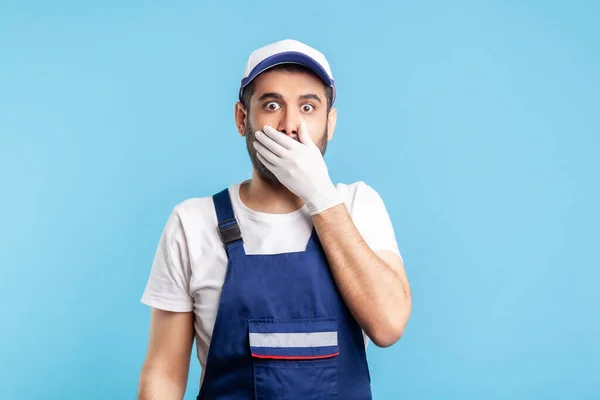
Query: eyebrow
<point>270,95</point>
<point>273,95</point>
<point>310,96</point>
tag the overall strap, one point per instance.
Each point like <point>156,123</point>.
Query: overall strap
<point>229,230</point>
<point>313,242</point>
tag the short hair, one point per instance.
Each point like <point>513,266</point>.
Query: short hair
<point>289,67</point>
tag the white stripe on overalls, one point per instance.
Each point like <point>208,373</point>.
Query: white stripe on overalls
<point>309,339</point>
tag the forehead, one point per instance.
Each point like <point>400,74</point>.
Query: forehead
<point>288,83</point>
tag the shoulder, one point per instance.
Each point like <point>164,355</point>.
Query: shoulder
<point>189,212</point>
<point>202,206</point>
<point>194,207</point>
<point>193,215</point>
<point>370,215</point>
<point>358,194</point>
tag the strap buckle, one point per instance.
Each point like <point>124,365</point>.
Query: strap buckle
<point>229,230</point>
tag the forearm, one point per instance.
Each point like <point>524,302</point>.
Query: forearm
<point>375,293</point>
<point>157,384</point>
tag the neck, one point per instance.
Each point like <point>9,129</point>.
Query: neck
<point>263,196</point>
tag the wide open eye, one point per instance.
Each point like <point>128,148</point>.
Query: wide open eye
<point>272,106</point>
<point>307,108</point>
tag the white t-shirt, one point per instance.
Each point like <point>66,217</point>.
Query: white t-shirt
<point>190,262</point>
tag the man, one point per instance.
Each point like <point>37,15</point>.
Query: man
<point>281,279</point>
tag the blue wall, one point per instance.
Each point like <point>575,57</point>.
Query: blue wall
<point>477,122</point>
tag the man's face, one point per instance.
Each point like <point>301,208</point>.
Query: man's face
<point>282,100</point>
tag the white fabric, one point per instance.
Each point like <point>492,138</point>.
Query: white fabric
<point>299,166</point>
<point>283,46</point>
<point>190,262</point>
<point>306,339</point>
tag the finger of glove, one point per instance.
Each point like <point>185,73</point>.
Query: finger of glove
<point>282,139</point>
<point>266,163</point>
<point>270,144</point>
<point>266,153</point>
<point>304,136</point>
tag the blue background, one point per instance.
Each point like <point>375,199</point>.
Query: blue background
<point>477,122</point>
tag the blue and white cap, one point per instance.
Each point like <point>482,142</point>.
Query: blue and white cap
<point>286,52</point>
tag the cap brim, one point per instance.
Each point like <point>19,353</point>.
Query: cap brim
<point>289,57</point>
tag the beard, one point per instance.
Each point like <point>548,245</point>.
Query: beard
<point>260,168</point>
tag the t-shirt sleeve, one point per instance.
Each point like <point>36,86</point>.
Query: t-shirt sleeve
<point>372,220</point>
<point>168,285</point>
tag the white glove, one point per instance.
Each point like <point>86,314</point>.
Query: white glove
<point>299,166</point>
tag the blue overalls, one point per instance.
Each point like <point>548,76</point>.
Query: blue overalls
<point>282,329</point>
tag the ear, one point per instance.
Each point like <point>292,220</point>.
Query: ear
<point>331,121</point>
<point>241,117</point>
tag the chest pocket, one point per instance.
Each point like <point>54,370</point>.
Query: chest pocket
<point>294,359</point>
